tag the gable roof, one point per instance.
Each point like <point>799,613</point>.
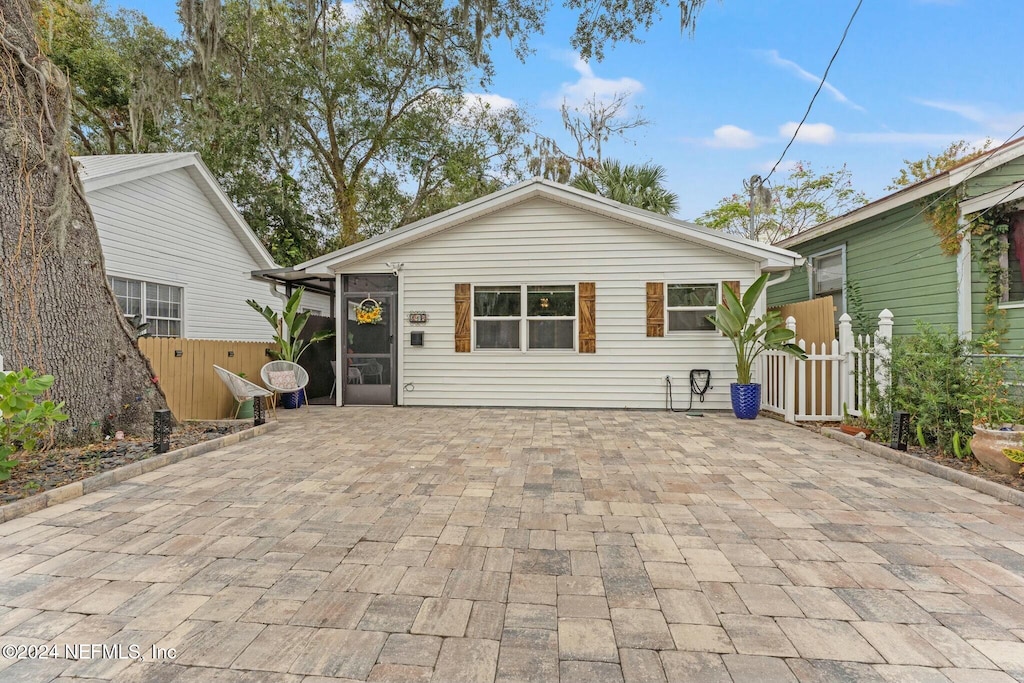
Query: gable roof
<point>771,258</point>
<point>919,190</point>
<point>107,170</point>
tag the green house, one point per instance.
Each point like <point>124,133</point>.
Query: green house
<point>889,252</point>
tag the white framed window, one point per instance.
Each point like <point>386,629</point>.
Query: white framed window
<point>688,306</point>
<point>827,277</point>
<point>497,317</point>
<point>157,305</point>
<point>1011,260</point>
<point>524,317</point>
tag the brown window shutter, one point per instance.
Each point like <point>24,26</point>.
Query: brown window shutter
<point>588,330</point>
<point>462,318</point>
<point>655,309</point>
<point>734,285</point>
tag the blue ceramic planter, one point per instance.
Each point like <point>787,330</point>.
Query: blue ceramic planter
<point>293,400</point>
<point>746,400</point>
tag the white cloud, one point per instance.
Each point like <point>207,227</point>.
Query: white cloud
<point>813,133</point>
<point>784,167</point>
<point>589,85</point>
<point>898,138</point>
<point>732,137</point>
<point>494,101</point>
<point>970,112</point>
<point>989,116</point>
<point>773,58</point>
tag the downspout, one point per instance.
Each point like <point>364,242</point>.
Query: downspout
<point>779,280</point>
<point>964,311</point>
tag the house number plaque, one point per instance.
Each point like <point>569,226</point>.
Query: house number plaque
<point>418,318</point>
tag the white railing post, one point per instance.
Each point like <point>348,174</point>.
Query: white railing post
<point>789,363</point>
<point>1,362</point>
<point>883,341</point>
<point>848,371</point>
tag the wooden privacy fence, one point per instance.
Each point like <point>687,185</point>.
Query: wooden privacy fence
<point>836,373</point>
<point>815,319</point>
<point>185,371</point>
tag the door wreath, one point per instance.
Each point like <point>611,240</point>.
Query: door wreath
<point>369,312</point>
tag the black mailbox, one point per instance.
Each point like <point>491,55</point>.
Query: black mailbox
<point>416,338</point>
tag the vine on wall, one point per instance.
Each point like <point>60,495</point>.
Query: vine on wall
<point>944,218</point>
<point>992,245</point>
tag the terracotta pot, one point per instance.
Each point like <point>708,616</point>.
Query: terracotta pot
<point>988,444</point>
<point>854,430</point>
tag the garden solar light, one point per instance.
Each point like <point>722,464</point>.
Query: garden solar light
<point>162,420</point>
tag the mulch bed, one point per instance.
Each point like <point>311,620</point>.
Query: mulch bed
<point>57,467</point>
<point>969,464</point>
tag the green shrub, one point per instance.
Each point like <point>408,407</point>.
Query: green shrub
<point>23,419</point>
<point>932,376</point>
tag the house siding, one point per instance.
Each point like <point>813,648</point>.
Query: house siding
<point>164,229</point>
<point>540,241</point>
<point>1001,176</point>
<point>896,261</point>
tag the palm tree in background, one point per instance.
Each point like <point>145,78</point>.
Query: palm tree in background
<point>637,185</point>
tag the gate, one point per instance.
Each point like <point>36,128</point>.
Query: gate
<point>836,375</point>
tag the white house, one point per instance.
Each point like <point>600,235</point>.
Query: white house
<point>537,295</point>
<point>177,252</point>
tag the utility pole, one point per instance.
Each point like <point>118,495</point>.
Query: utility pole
<point>759,196</point>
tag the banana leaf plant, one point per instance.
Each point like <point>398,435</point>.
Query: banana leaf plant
<point>751,338</point>
<point>288,325</point>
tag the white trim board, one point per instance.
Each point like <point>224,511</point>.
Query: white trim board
<point>1004,195</point>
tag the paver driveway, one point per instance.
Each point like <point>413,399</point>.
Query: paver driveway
<point>473,545</point>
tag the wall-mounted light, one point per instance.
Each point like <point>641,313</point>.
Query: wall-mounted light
<point>231,354</point>
<point>178,353</point>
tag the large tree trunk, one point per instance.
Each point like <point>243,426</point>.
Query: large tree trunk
<point>57,313</point>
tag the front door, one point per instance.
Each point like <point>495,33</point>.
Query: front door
<point>368,355</point>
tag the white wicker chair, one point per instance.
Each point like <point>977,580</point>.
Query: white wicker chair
<point>241,388</point>
<point>279,366</point>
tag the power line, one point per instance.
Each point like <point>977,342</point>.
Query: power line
<point>945,192</point>
<point>949,189</point>
<point>959,231</point>
<point>816,92</point>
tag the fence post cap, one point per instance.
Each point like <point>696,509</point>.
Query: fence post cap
<point>790,319</point>
<point>886,314</point>
<point>845,318</point>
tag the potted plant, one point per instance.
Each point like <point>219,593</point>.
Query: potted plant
<point>243,409</point>
<point>288,325</point>
<point>998,438</point>
<point>856,426</point>
<point>750,338</point>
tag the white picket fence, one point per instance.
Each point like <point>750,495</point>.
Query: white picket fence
<point>833,375</point>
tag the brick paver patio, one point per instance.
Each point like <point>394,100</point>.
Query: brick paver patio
<point>510,545</point>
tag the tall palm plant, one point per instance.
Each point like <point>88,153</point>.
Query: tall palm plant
<point>639,185</point>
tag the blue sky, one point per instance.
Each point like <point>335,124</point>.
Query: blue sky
<point>912,76</point>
